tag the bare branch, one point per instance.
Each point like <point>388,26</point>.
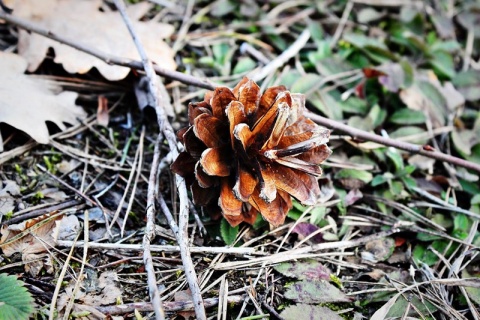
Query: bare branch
<point>181,233</point>
<point>150,234</point>
<point>173,306</point>
<point>110,59</point>
<point>412,148</point>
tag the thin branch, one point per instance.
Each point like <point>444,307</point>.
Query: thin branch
<point>80,277</point>
<point>63,183</point>
<point>341,25</point>
<point>305,252</point>
<point>161,248</point>
<point>410,147</point>
<point>38,210</point>
<point>61,276</point>
<point>150,234</point>
<point>166,128</point>
<point>284,57</point>
<point>108,58</point>
<point>468,50</point>
<point>137,177</point>
<point>127,186</point>
<point>173,306</point>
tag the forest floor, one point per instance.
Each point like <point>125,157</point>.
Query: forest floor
<point>97,226</point>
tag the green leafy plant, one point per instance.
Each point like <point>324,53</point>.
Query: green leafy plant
<point>16,303</point>
<point>228,232</point>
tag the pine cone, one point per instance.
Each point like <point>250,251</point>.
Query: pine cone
<point>247,153</point>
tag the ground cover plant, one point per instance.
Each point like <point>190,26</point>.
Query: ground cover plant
<point>239,159</point>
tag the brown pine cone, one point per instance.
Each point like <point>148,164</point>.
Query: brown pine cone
<point>247,153</point>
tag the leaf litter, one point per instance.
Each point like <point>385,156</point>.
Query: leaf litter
<point>29,112</point>
<point>378,234</point>
<point>31,238</point>
<point>67,18</point>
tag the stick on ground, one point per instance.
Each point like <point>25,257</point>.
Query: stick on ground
<point>167,131</point>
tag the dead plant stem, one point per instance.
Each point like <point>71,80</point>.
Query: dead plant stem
<point>305,252</point>
<point>169,134</point>
<point>135,183</point>
<point>341,25</point>
<point>60,280</point>
<point>79,281</point>
<point>150,234</point>
<point>412,148</point>
<point>173,306</point>
<point>63,183</point>
<point>284,57</point>
<point>127,187</point>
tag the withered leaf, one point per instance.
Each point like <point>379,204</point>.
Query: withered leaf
<point>67,18</point>
<point>28,112</point>
<point>30,238</point>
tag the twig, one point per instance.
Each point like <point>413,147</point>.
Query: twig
<point>341,25</point>
<point>468,50</point>
<point>86,236</point>
<point>412,148</point>
<point>389,3</point>
<point>110,59</point>
<point>137,177</point>
<point>169,306</point>
<point>63,183</point>
<point>161,248</point>
<point>150,234</point>
<point>169,134</point>
<point>306,252</point>
<point>127,187</point>
<point>38,210</point>
<point>201,226</point>
<point>222,299</point>
<point>60,280</point>
<point>444,204</point>
<point>186,23</point>
<point>272,311</point>
<point>284,57</point>
<point>7,155</point>
<point>254,52</point>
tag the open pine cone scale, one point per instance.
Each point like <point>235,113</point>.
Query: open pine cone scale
<point>248,153</point>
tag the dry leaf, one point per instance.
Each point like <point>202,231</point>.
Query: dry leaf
<point>108,290</point>
<point>437,101</point>
<point>184,296</point>
<point>67,228</point>
<point>105,291</point>
<point>83,22</point>
<point>30,238</point>
<point>27,102</point>
<point>7,193</point>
